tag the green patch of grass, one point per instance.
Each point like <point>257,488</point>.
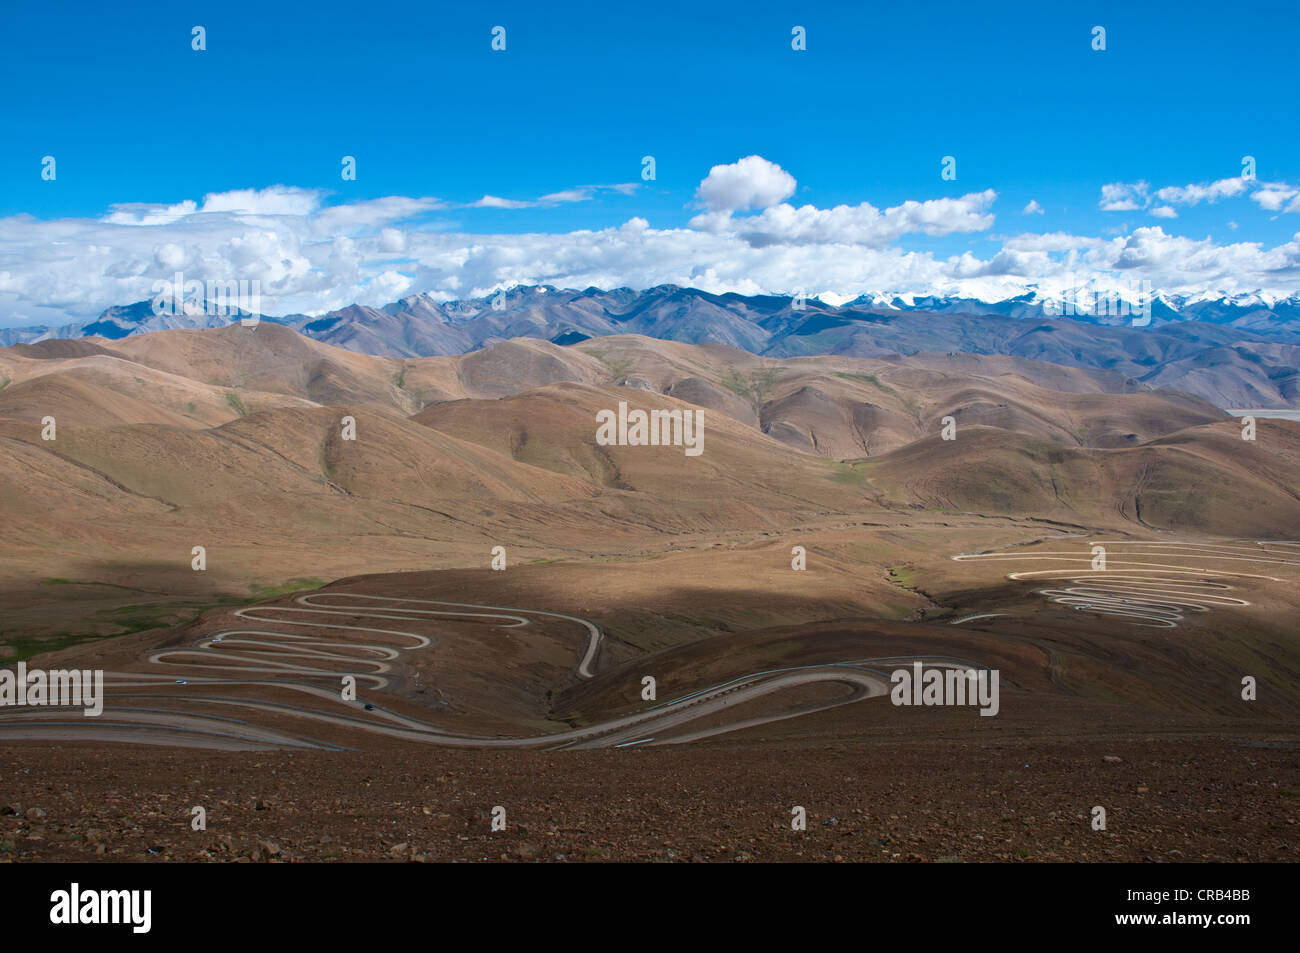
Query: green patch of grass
<point>619,368</point>
<point>754,387</point>
<point>127,619</point>
<point>190,407</point>
<point>4,383</point>
<point>847,473</point>
<point>902,576</point>
<point>24,647</point>
<point>59,581</point>
<point>400,379</point>
<point>292,585</point>
<point>871,379</point>
<point>159,615</point>
<point>141,617</point>
<point>233,400</point>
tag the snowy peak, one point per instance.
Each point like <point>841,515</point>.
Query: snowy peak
<point>422,324</point>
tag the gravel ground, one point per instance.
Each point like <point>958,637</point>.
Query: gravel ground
<point>1167,799</point>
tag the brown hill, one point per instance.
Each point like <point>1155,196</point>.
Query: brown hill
<point>1202,479</point>
<point>836,407</point>
<point>232,439</point>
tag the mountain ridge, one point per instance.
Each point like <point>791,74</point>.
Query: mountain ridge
<point>1233,350</point>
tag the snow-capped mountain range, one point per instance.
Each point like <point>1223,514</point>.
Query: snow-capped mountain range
<point>1233,350</point>
<point>757,322</point>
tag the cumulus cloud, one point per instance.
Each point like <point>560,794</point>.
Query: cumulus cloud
<point>751,183</point>
<point>1277,197</point>
<point>1033,208</point>
<point>855,224</point>
<point>142,213</point>
<point>1176,263</point>
<point>310,256</point>
<point>277,200</point>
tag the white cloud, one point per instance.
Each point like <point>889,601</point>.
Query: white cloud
<point>568,195</point>
<point>389,286</point>
<point>1271,196</point>
<point>495,201</point>
<point>375,251</point>
<point>1033,208</point>
<point>170,255</point>
<point>368,214</point>
<point>1195,194</point>
<point>141,213</point>
<point>854,224</point>
<point>1175,263</point>
<point>751,183</point>
<point>1277,197</point>
<point>276,200</point>
<point>581,193</point>
<point>1051,242</point>
<point>1120,197</point>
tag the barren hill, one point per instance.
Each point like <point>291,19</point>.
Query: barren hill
<point>234,439</point>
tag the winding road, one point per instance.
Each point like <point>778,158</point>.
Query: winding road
<point>270,657</point>
<point>1156,594</point>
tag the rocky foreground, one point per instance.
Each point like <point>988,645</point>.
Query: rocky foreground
<point>1167,798</point>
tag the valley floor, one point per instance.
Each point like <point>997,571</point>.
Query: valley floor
<point>1121,690</point>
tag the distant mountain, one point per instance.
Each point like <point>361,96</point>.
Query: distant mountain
<point>204,434</point>
<point>1235,351</point>
<point>1093,304</point>
<point>122,321</point>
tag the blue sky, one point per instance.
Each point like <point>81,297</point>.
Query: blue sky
<point>1015,93</point>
